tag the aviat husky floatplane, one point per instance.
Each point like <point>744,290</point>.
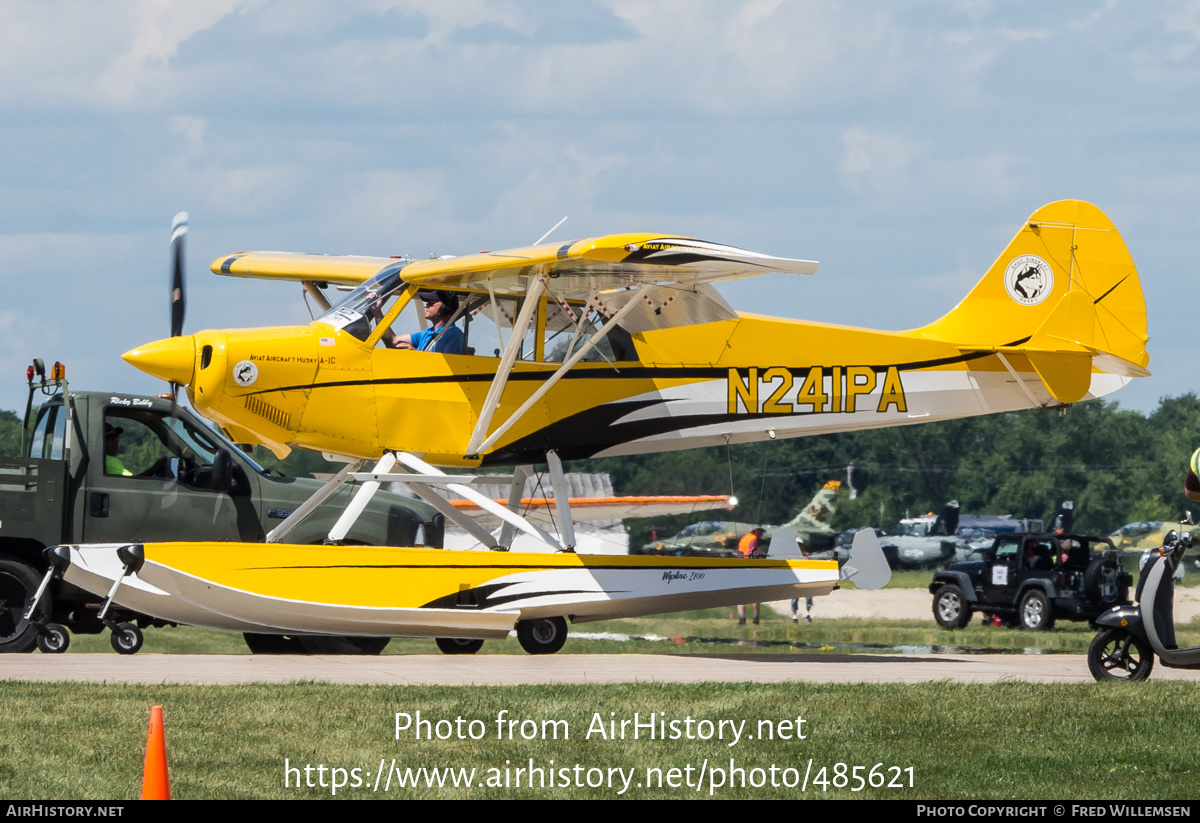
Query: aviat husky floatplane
<point>605,346</point>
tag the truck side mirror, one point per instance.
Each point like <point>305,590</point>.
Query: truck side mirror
<point>222,471</point>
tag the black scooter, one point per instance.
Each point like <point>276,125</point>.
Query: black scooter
<point>1127,643</point>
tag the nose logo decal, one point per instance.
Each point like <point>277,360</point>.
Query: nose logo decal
<point>245,373</point>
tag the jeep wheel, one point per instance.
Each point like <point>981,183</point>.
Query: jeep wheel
<point>18,582</point>
<point>1035,612</point>
<point>544,635</point>
<point>950,607</point>
<point>1102,582</point>
<point>1115,654</point>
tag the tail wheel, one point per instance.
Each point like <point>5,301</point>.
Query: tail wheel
<point>458,645</point>
<point>18,582</point>
<point>542,635</point>
<point>127,639</point>
<point>1115,654</point>
<point>53,639</point>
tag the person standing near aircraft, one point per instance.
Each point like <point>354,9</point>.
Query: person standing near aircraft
<point>440,307</point>
<point>748,547</point>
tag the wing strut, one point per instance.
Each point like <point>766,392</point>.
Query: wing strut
<point>515,341</point>
<point>554,378</point>
<point>310,505</point>
<point>515,489</point>
<point>562,500</point>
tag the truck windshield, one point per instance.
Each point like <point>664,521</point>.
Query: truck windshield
<point>147,443</point>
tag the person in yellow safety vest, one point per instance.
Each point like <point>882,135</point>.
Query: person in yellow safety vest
<point>112,444</point>
<point>748,547</point>
<point>1191,484</point>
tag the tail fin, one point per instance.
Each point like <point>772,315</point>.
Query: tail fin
<point>816,515</point>
<point>1064,295</point>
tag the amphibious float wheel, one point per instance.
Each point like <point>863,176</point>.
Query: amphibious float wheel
<point>1115,654</point>
<point>18,582</point>
<point>1035,612</point>
<point>950,608</point>
<point>458,645</point>
<point>542,635</point>
<point>53,639</point>
<point>127,639</point>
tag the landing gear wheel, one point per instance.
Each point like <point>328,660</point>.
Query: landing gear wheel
<point>127,639</point>
<point>542,635</point>
<point>1115,654</point>
<point>1035,612</point>
<point>950,608</point>
<point>315,644</point>
<point>53,639</point>
<point>458,645</point>
<point>272,644</point>
<point>18,582</point>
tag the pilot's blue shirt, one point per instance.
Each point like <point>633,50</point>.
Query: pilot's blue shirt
<point>451,341</point>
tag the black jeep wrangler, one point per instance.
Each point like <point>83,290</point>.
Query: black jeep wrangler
<point>1030,580</point>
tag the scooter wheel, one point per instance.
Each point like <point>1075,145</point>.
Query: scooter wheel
<point>53,639</point>
<point>1115,654</point>
<point>127,639</point>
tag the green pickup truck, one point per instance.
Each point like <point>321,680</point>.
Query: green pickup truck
<point>105,467</point>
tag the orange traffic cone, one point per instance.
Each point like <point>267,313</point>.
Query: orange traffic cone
<point>156,784</point>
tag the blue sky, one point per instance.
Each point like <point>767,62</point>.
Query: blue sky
<point>900,144</point>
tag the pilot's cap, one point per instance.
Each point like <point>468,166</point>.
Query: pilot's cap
<point>448,299</point>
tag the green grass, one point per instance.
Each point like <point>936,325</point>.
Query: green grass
<point>962,741</point>
<point>708,631</point>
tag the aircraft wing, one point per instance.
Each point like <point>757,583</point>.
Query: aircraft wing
<point>282,265</point>
<point>592,509</point>
<point>575,269</point>
<point>601,264</point>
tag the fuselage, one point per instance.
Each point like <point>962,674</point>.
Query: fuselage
<point>742,380</point>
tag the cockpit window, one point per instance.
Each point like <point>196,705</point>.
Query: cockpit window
<point>363,307</point>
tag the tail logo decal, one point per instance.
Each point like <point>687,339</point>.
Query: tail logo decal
<point>1029,280</point>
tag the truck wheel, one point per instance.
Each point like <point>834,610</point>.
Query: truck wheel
<point>127,639</point>
<point>458,645</point>
<point>53,639</point>
<point>1115,654</point>
<point>316,644</point>
<point>1035,612</point>
<point>18,582</point>
<point>272,644</point>
<point>950,607</point>
<point>543,635</point>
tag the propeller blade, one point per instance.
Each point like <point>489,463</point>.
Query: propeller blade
<point>179,227</point>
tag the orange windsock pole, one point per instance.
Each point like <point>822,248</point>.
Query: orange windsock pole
<point>156,784</point>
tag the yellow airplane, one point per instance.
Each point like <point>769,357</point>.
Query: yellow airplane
<point>607,346</point>
<point>620,345</point>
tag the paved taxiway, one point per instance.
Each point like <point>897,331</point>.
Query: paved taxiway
<point>497,669</point>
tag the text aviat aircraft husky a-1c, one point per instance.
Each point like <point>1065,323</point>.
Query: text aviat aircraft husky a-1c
<point>605,346</point>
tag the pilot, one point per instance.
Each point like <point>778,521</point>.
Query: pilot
<point>440,306</point>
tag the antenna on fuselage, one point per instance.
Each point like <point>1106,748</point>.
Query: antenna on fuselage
<point>547,234</point>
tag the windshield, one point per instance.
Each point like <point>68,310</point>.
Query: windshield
<point>363,307</point>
